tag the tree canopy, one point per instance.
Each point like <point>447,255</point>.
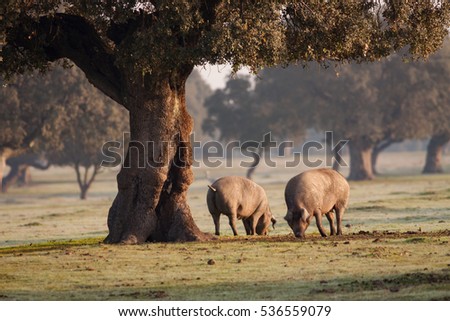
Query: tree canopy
<point>159,36</point>
<point>31,113</point>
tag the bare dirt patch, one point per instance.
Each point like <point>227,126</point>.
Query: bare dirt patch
<point>375,236</point>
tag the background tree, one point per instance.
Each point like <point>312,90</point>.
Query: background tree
<point>141,53</point>
<point>437,99</point>
<point>229,109</point>
<point>240,113</point>
<point>30,113</point>
<point>318,98</point>
<point>233,115</point>
<point>82,138</point>
<point>433,160</point>
<point>197,90</point>
<point>417,102</point>
<point>19,168</point>
<point>371,105</point>
<point>347,105</point>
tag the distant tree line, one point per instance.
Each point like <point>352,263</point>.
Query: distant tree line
<point>371,105</point>
<point>60,119</point>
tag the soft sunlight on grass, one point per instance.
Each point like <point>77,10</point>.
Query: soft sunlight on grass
<point>395,246</point>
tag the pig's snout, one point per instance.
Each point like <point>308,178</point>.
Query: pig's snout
<point>299,235</point>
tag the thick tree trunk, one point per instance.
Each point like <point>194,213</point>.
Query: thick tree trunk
<point>151,204</point>
<point>377,149</point>
<point>433,163</point>
<point>360,160</point>
<point>83,192</point>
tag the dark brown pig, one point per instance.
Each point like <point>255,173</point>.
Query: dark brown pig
<point>315,193</point>
<point>239,198</point>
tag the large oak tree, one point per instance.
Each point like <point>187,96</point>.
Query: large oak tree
<point>141,53</point>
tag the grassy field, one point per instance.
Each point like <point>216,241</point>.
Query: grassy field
<point>395,247</point>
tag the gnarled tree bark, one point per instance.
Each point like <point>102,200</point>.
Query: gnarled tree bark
<point>152,200</point>
<point>433,163</point>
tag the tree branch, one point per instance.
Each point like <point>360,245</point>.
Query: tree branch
<point>86,171</point>
<point>93,175</point>
<point>77,171</point>
<point>118,32</point>
<point>208,11</point>
<point>73,37</point>
<point>385,144</point>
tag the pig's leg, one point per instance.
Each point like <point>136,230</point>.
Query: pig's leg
<point>339,215</point>
<point>330,217</point>
<point>247,226</point>
<point>252,225</point>
<point>254,218</point>
<point>216,219</point>
<point>232,220</point>
<point>318,216</point>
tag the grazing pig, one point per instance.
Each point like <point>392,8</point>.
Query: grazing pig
<point>240,198</point>
<point>316,192</point>
<point>262,228</point>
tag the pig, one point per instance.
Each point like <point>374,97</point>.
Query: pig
<point>263,225</point>
<point>240,198</point>
<point>316,192</point>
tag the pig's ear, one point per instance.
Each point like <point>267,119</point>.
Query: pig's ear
<point>306,215</point>
<point>300,214</point>
<point>288,216</point>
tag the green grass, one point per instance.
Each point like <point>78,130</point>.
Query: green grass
<point>395,246</point>
<point>50,245</point>
<point>244,269</point>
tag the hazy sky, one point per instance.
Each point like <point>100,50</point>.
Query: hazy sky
<point>217,75</point>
